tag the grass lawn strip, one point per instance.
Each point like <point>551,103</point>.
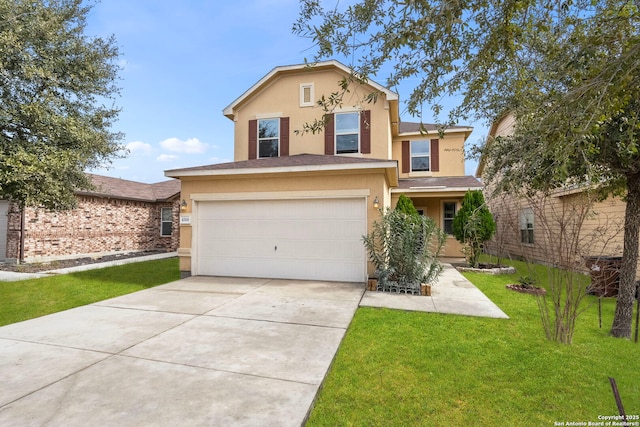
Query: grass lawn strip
<point>27,299</point>
<point>409,368</point>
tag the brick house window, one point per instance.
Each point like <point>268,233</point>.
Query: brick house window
<point>166,221</point>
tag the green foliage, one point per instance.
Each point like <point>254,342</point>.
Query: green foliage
<point>406,205</point>
<point>473,225</point>
<point>55,83</point>
<point>527,281</point>
<point>37,297</point>
<point>405,250</point>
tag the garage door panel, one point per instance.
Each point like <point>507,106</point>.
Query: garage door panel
<point>313,270</point>
<point>302,239</point>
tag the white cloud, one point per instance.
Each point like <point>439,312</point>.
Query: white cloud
<point>139,147</point>
<point>166,157</point>
<point>190,146</point>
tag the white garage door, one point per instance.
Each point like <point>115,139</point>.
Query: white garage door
<point>316,239</point>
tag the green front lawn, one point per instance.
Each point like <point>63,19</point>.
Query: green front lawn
<point>407,368</point>
<point>33,298</point>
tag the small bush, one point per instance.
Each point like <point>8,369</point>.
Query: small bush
<point>404,249</point>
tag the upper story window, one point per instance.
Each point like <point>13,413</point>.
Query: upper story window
<point>420,156</point>
<point>347,133</point>
<point>306,95</point>
<point>268,137</point>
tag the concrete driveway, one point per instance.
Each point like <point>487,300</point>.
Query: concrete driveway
<point>200,351</point>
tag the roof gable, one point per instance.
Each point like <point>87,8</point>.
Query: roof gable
<point>277,72</point>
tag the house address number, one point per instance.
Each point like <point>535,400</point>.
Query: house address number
<point>185,219</point>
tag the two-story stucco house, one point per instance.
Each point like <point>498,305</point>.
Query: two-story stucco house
<point>296,205</point>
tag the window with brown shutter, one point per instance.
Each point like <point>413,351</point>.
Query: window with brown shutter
<point>253,139</point>
<point>329,135</point>
<point>435,155</point>
<point>284,136</point>
<point>406,157</point>
<point>365,132</point>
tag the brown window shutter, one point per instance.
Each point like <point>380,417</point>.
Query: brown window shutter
<point>435,155</point>
<point>253,139</point>
<point>365,132</point>
<point>406,157</point>
<point>284,136</point>
<point>329,136</point>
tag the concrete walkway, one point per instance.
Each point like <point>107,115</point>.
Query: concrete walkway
<point>453,294</point>
<point>199,351</point>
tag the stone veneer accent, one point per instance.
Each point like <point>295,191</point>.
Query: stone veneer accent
<point>96,225</point>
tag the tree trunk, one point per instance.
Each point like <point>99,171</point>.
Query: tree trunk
<point>624,306</point>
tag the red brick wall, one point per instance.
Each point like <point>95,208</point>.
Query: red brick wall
<point>96,225</point>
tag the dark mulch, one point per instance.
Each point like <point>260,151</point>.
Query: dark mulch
<point>533,290</point>
<point>66,263</point>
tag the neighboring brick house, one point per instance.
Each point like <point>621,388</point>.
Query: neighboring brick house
<point>118,216</point>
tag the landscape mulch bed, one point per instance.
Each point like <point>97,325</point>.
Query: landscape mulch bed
<point>67,263</point>
<point>527,289</point>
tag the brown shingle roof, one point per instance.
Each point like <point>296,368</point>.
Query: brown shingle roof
<point>132,190</point>
<point>458,182</point>
<point>276,162</point>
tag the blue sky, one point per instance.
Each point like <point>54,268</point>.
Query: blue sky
<point>183,62</point>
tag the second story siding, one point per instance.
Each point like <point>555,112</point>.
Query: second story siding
<point>288,100</point>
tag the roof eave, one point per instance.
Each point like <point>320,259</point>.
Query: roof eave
<point>466,130</point>
<point>177,173</point>
<point>435,189</point>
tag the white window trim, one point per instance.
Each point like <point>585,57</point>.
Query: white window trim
<point>455,202</point>
<point>335,133</point>
<point>258,136</point>
<point>312,97</point>
<point>411,156</point>
<point>163,221</point>
<point>526,213</point>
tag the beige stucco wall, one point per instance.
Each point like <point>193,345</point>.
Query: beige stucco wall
<point>451,154</point>
<point>372,182</point>
<point>281,98</point>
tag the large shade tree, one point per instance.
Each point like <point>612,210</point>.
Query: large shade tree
<point>569,71</point>
<point>57,89</point>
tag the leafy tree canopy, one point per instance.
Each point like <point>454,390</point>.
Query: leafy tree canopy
<point>57,87</point>
<point>568,71</point>
<point>473,224</point>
